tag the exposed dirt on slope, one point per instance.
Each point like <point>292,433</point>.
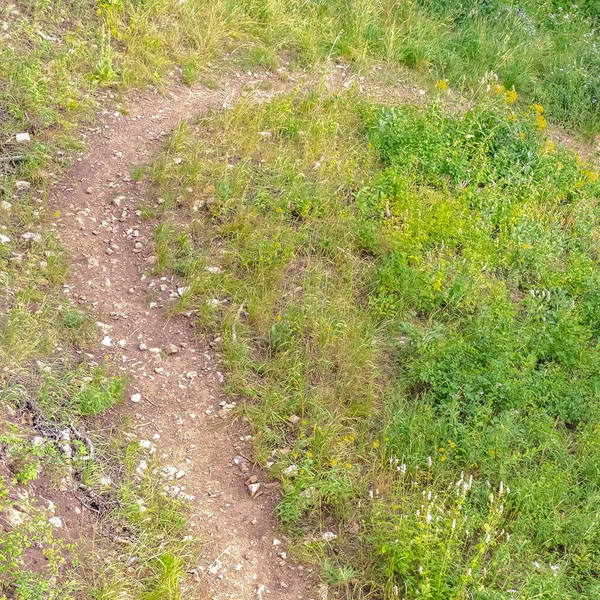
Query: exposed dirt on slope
<point>180,409</point>
<point>175,396</point>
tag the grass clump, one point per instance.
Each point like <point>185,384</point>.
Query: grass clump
<point>406,300</point>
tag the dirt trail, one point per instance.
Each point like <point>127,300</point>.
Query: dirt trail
<point>181,410</point>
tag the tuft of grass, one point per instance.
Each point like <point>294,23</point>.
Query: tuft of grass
<point>405,300</point>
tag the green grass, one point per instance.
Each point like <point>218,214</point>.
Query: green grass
<point>407,304</point>
<point>375,291</point>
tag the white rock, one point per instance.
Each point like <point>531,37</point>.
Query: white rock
<point>55,522</point>
<point>23,137</point>
<point>276,542</point>
<point>4,205</point>
<point>22,185</point>
<point>179,474</point>
<point>253,489</point>
<point>34,237</point>
<point>4,239</point>
<point>14,517</point>
<point>106,341</point>
<point>145,443</point>
<point>328,536</point>
<point>143,347</point>
<point>291,471</point>
<point>136,398</point>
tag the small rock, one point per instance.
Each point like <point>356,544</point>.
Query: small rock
<point>276,542</point>
<point>253,489</point>
<point>293,419</point>
<point>14,517</point>
<point>171,349</point>
<point>22,185</point>
<point>23,137</point>
<point>4,205</point>
<point>136,397</point>
<point>89,190</point>
<point>151,260</point>
<point>55,522</point>
<point>143,347</point>
<point>291,471</point>
<point>33,237</point>
<point>328,536</point>
<point>4,239</point>
<point>106,341</point>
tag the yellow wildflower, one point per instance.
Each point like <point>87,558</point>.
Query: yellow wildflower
<point>538,108</point>
<point>548,147</point>
<point>375,444</point>
<point>541,122</point>
<point>511,96</point>
<point>522,135</point>
<point>309,454</point>
<point>442,85</point>
<point>334,462</point>
<point>443,458</point>
<point>513,118</point>
<point>348,465</point>
<point>591,176</point>
<point>442,449</point>
<point>499,89</point>
<point>451,444</point>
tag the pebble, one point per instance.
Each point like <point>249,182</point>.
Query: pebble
<point>106,341</point>
<point>55,522</point>
<point>136,397</point>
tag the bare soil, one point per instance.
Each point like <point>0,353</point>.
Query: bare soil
<point>182,411</point>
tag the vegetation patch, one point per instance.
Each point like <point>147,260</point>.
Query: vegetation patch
<point>406,300</point>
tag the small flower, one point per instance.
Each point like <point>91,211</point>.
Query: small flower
<point>442,85</point>
<point>511,96</point>
<point>348,465</point>
<point>334,462</point>
<point>513,118</point>
<point>541,122</point>
<point>499,89</point>
<point>443,458</point>
<point>548,147</point>
<point>309,454</point>
<point>522,135</point>
<point>376,444</point>
<point>442,449</point>
<point>451,444</point>
<point>538,108</point>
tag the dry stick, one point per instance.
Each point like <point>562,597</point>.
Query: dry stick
<point>12,158</point>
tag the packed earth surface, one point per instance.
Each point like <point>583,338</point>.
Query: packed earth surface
<point>175,393</point>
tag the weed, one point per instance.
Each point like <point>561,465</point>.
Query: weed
<point>404,298</point>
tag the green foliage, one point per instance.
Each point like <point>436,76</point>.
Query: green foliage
<point>406,299</point>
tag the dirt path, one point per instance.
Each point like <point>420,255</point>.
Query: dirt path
<point>182,411</point>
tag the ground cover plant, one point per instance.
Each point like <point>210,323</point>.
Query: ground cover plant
<point>406,299</point>
<point>430,295</point>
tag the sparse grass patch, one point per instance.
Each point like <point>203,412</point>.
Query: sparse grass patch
<point>405,300</point>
